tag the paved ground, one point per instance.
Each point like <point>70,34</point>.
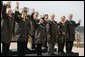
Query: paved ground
<point>75,49</point>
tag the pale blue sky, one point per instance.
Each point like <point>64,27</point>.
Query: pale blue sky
<point>59,8</point>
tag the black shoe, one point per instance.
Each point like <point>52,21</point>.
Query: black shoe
<point>59,53</point>
<point>39,55</point>
<point>33,46</point>
<point>9,53</point>
<point>53,54</point>
<point>72,52</point>
<point>27,50</point>
<point>63,53</point>
<point>69,52</point>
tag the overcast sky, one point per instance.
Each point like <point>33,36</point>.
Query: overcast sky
<point>59,8</point>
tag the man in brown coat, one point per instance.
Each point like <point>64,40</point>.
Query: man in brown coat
<point>7,28</point>
<point>40,36</point>
<point>53,27</point>
<point>71,33</point>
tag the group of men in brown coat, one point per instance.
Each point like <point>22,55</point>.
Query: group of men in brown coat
<point>43,31</point>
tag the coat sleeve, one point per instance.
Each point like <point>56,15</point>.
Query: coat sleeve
<point>1,5</point>
<point>17,16</point>
<point>4,11</point>
<point>37,33</point>
<point>76,24</point>
<point>59,29</point>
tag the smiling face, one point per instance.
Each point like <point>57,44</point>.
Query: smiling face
<point>52,16</point>
<point>41,21</point>
<point>62,18</point>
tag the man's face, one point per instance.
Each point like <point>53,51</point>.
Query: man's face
<point>37,14</point>
<point>41,21</point>
<point>25,10</point>
<point>63,18</point>
<point>46,17</point>
<point>70,16</point>
<point>52,17</point>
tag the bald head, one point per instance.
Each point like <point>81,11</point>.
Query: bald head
<point>70,16</point>
<point>52,16</point>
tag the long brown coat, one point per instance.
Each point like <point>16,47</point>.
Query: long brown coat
<point>40,34</point>
<point>71,30</point>
<point>7,27</point>
<point>24,27</point>
<point>53,29</point>
<point>62,28</point>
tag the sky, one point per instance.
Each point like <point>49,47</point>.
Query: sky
<point>59,8</point>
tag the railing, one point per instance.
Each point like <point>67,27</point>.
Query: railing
<point>78,39</point>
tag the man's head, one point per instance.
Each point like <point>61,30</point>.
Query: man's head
<point>41,21</point>
<point>25,10</point>
<point>63,18</point>
<point>46,16</point>
<point>37,14</point>
<point>70,16</point>
<point>52,16</point>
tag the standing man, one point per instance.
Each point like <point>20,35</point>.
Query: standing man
<point>62,35</point>
<point>45,18</point>
<point>7,28</point>
<point>53,35</point>
<point>40,36</point>
<point>71,33</point>
<point>23,20</point>
<point>34,19</point>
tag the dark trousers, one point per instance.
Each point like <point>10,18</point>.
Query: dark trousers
<point>33,45</point>
<point>25,43</point>
<point>21,48</point>
<point>45,45</point>
<point>69,46</point>
<point>39,49</point>
<point>5,49</point>
<point>51,48</point>
<point>60,47</point>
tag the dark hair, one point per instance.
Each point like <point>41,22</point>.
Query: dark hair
<point>25,9</point>
<point>46,14</point>
<point>37,12</point>
<point>63,16</point>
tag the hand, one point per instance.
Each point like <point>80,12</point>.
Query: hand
<point>8,3</point>
<point>79,21</point>
<point>63,33</point>
<point>33,10</point>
